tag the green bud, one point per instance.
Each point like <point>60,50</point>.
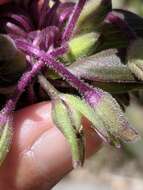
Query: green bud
<point>87,111</point>
<point>114,120</point>
<point>69,124</point>
<point>81,46</point>
<point>92,15</point>
<point>135,58</point>
<point>5,140</point>
<point>106,117</point>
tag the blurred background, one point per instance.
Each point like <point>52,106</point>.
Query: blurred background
<point>112,169</point>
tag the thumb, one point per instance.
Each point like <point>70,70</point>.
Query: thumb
<point>40,155</point>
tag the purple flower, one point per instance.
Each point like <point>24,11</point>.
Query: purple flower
<point>43,29</point>
<point>42,33</point>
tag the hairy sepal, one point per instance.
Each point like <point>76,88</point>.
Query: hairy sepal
<point>81,46</point>
<point>5,140</point>
<point>63,120</point>
<point>106,117</point>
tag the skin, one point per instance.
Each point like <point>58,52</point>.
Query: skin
<point>40,155</point>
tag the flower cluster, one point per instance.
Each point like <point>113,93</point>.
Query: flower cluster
<point>66,45</point>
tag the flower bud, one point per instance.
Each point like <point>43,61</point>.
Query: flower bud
<point>109,112</point>
<point>69,124</point>
<point>81,46</point>
<point>102,110</point>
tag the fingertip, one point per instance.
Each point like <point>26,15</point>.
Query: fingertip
<point>48,156</point>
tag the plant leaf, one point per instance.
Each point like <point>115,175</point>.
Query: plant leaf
<point>106,70</point>
<point>112,37</point>
<point>7,48</point>
<point>93,14</point>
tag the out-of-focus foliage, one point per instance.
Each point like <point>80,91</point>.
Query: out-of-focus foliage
<point>133,5</point>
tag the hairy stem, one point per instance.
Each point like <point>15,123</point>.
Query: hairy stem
<point>72,20</point>
<point>26,79</point>
<point>55,65</point>
<point>48,87</point>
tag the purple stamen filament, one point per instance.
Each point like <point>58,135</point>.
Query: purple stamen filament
<point>72,20</point>
<point>25,80</point>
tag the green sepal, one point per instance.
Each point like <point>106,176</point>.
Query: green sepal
<point>114,119</point>
<point>106,118</point>
<point>76,119</point>
<point>62,119</point>
<point>88,112</point>
<point>81,46</point>
<point>5,140</point>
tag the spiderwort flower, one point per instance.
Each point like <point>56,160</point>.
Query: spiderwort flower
<point>44,36</point>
